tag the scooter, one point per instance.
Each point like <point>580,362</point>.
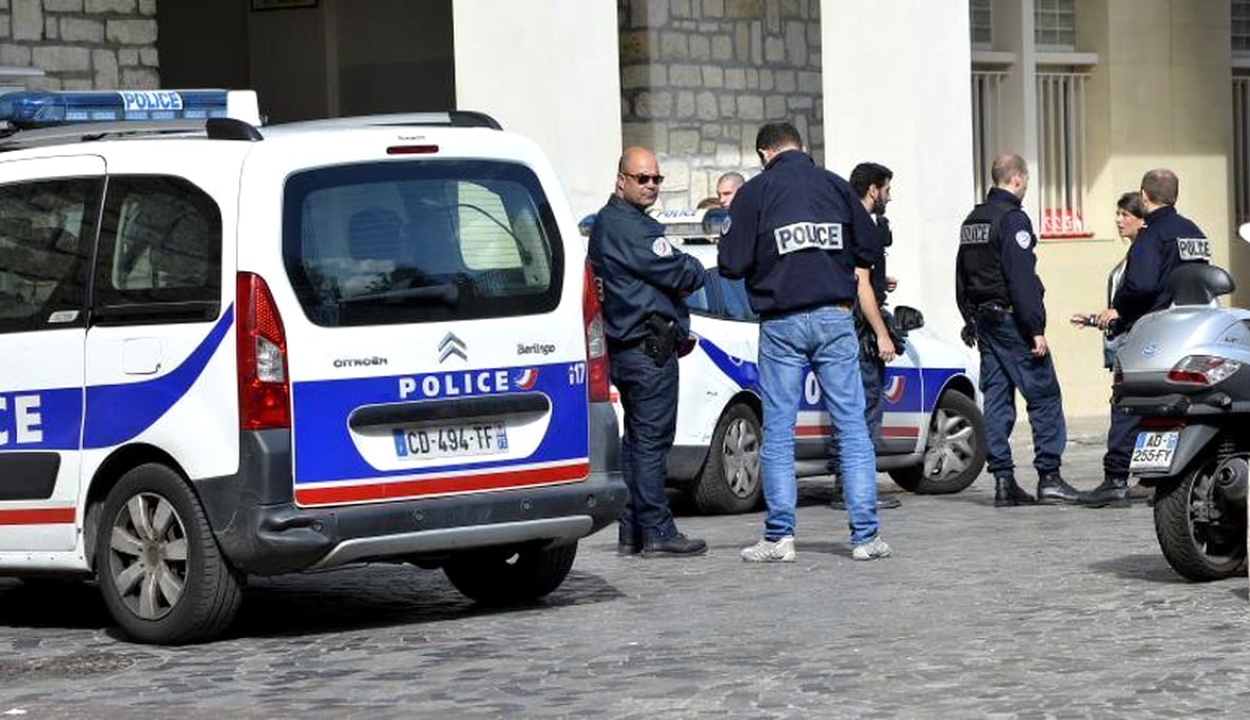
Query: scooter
<point>1185,371</point>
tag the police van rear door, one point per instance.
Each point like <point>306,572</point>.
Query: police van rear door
<point>436,343</point>
<point>48,211</point>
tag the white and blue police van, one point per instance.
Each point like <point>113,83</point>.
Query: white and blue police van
<point>235,349</point>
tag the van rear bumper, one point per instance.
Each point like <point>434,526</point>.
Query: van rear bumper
<point>262,532</point>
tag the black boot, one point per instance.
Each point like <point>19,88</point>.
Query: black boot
<point>1008,494</point>
<point>1052,489</point>
<point>1113,492</point>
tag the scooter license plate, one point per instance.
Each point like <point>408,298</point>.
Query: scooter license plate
<point>1154,450</point>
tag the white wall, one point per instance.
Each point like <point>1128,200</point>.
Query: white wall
<point>548,70</point>
<point>903,99</point>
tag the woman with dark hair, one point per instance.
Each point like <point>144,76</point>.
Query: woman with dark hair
<point>1129,221</point>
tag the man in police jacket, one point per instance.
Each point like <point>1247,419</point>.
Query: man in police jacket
<point>642,279</point>
<point>796,233</point>
<point>1000,298</point>
<point>1167,240</point>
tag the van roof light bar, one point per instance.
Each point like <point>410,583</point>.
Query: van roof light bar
<point>33,109</point>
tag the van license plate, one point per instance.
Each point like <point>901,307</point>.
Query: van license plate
<point>429,442</point>
<point>1154,450</point>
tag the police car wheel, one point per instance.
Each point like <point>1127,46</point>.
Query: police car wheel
<point>160,571</point>
<point>954,450</point>
<point>729,482</point>
<point>1199,541</point>
<point>505,576</point>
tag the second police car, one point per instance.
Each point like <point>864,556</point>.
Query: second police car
<point>931,438</point>
<point>233,349</point>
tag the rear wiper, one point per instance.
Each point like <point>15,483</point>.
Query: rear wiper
<point>448,294</point>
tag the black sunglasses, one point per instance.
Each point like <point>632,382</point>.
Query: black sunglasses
<point>644,178</point>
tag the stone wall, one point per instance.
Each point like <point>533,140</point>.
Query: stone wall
<point>699,77</point>
<point>81,44</point>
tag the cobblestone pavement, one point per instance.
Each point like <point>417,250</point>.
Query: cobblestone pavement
<point>1023,612</point>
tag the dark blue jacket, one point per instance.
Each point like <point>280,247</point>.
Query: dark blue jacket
<point>1167,240</point>
<point>1015,242</point>
<point>797,232</point>
<point>639,271</point>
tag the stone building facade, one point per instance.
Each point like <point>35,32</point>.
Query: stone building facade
<point>698,78</point>
<point>82,44</point>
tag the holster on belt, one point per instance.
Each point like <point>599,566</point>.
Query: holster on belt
<point>661,340</point>
<point>992,312</point>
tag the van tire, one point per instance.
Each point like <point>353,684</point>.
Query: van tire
<point>510,575</point>
<point>730,482</point>
<point>956,442</point>
<point>179,587</point>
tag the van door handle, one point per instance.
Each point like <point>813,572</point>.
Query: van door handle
<point>141,356</point>
<point>449,409</point>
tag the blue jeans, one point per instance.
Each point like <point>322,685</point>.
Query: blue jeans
<point>649,398</point>
<point>1007,364</point>
<point>823,338</point>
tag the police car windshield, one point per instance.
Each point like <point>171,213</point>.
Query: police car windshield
<point>420,240</point>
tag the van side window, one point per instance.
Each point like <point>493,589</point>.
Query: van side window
<point>45,234</point>
<point>160,245</point>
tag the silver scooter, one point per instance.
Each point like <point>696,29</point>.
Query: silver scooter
<point>1186,372</point>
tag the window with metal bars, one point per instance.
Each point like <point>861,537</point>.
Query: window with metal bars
<point>1061,152</point>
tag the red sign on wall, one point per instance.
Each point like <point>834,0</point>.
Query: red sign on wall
<point>1063,223</point>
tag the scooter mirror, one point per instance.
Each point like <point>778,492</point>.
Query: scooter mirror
<point>1244,231</point>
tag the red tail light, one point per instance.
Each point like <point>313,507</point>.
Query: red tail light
<point>596,340</point>
<point>1202,370</point>
<point>264,388</point>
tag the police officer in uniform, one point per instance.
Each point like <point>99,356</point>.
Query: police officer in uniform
<point>1000,298</point>
<point>797,232</point>
<point>1167,240</point>
<point>642,280</point>
<point>878,344</point>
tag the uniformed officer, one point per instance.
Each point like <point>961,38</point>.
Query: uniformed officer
<point>642,279</point>
<point>1000,298</point>
<point>1167,240</point>
<point>871,182</point>
<point>797,233</point>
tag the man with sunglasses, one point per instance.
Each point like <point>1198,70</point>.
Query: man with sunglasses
<point>642,279</point>
<point>797,233</point>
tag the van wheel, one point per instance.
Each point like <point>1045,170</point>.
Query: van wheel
<point>160,571</point>
<point>506,576</point>
<point>729,482</point>
<point>954,452</point>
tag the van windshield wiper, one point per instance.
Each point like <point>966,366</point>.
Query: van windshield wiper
<point>446,293</point>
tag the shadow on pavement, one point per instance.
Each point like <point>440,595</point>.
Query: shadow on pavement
<point>365,598</point>
<point>50,603</point>
<point>1151,567</point>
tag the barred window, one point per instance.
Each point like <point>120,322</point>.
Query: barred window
<point>986,96</point>
<point>1061,152</point>
<point>1241,146</point>
<point>1240,39</point>
<point>1054,24</point>
<point>980,20</point>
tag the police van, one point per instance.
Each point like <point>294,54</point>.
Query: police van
<point>235,349</point>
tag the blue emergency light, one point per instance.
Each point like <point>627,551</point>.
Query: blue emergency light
<point>40,108</point>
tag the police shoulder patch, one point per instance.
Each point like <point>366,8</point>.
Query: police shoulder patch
<point>724,227</point>
<point>662,247</point>
<point>1024,239</point>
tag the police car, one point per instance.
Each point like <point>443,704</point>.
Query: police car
<point>233,349</point>
<point>931,440</point>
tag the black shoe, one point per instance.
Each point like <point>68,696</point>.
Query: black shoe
<point>1052,489</point>
<point>1009,494</point>
<point>1113,492</point>
<point>1141,493</point>
<point>678,545</point>
<point>628,548</point>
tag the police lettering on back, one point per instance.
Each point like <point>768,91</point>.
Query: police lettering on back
<point>803,235</point>
<point>1193,249</point>
<point>977,234</point>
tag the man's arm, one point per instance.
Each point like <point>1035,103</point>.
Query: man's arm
<point>872,313</point>
<point>1020,271</point>
<point>1141,283</point>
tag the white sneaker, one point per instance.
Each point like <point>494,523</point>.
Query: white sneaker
<point>871,550</point>
<point>769,551</point>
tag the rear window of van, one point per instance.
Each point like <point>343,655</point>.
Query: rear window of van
<point>420,241</point>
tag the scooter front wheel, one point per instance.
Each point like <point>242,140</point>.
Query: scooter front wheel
<point>1202,537</point>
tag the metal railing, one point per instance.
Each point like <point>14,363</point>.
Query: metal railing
<point>1062,177</point>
